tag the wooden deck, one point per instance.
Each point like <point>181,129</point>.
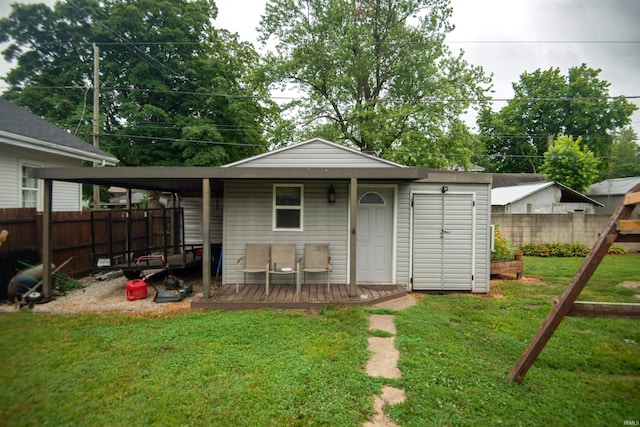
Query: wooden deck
<point>251,297</point>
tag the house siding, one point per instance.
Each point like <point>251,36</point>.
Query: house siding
<point>193,220</point>
<point>67,196</point>
<point>322,223</point>
<point>316,154</point>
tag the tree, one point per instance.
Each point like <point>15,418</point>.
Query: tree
<point>174,89</point>
<point>566,162</point>
<point>546,103</point>
<point>375,75</point>
<point>625,155</point>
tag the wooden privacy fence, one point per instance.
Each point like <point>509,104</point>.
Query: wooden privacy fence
<point>90,235</point>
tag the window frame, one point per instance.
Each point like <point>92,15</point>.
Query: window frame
<point>275,208</point>
<point>35,190</point>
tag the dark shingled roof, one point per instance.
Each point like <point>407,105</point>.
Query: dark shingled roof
<point>17,120</point>
<point>511,179</point>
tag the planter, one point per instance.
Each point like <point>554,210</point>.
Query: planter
<point>507,267</point>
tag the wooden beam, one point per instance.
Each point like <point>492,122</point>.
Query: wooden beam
<point>632,198</point>
<point>571,293</point>
<point>628,225</point>
<point>628,238</point>
<point>605,309</point>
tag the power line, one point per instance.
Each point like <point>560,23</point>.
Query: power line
<point>426,100</point>
<point>542,41</point>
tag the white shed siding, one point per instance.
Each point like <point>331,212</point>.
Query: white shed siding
<point>193,219</point>
<point>248,219</point>
<point>66,196</point>
<point>316,154</point>
<point>482,221</point>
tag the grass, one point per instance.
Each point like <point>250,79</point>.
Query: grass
<point>458,349</point>
<point>292,368</point>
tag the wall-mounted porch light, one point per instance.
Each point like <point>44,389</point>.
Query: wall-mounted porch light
<point>331,195</point>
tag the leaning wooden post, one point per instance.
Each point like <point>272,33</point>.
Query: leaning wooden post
<point>206,238</point>
<point>353,240</point>
<point>565,303</point>
<point>47,248</point>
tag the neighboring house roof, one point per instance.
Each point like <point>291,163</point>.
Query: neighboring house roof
<point>508,195</point>
<point>613,187</point>
<point>510,179</point>
<point>22,128</point>
<point>323,148</point>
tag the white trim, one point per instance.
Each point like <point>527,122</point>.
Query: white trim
<point>34,165</point>
<point>394,225</point>
<point>297,208</point>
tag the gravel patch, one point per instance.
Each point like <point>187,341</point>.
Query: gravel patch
<point>111,295</point>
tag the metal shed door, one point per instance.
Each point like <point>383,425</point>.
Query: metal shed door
<point>443,242</point>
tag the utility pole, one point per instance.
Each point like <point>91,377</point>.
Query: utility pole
<point>96,117</point>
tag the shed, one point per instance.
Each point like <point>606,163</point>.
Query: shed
<point>28,142</point>
<point>611,191</point>
<point>385,223</point>
<point>540,198</point>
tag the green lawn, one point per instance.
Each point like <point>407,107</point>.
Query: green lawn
<point>275,368</point>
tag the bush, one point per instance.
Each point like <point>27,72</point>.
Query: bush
<point>564,250</point>
<point>617,250</point>
<point>555,249</point>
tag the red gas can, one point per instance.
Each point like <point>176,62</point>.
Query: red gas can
<point>136,289</point>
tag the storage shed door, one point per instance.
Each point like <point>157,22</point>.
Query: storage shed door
<point>443,242</point>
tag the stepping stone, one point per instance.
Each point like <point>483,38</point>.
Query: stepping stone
<point>384,362</point>
<point>382,322</point>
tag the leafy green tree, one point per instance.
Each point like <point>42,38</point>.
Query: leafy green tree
<point>174,90</point>
<point>546,103</point>
<point>375,75</point>
<point>566,162</point>
<point>625,155</point>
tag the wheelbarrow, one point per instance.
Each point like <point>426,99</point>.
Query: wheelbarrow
<point>23,286</point>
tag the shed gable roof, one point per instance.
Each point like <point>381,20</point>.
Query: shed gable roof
<point>316,153</point>
<point>508,195</point>
<point>21,127</point>
<point>613,187</point>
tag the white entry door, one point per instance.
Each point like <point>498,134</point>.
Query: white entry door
<point>375,235</point>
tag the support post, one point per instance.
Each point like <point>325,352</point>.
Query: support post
<point>206,237</point>
<point>47,248</point>
<point>353,238</point>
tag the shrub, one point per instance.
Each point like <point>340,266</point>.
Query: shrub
<point>555,249</point>
<point>563,250</point>
<point>617,250</point>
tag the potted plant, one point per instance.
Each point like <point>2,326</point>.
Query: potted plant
<point>505,259</point>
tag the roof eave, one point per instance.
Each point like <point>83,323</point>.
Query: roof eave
<point>52,148</point>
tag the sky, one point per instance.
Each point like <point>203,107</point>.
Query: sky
<point>508,38</point>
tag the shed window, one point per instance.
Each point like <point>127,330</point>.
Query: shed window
<point>287,207</point>
<point>29,188</point>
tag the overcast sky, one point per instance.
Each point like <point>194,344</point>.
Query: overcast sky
<point>604,34</point>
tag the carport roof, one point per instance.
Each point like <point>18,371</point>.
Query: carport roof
<point>186,179</point>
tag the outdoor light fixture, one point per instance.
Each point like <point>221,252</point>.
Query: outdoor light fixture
<point>331,195</point>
